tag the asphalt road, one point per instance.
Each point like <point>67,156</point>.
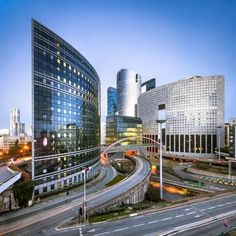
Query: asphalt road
<point>44,221</point>
<point>203,218</point>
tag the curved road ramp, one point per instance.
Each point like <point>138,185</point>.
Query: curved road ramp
<point>131,190</point>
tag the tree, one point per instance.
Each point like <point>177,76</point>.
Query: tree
<point>14,149</point>
<point>23,192</point>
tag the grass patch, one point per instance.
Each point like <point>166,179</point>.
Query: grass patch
<point>117,179</point>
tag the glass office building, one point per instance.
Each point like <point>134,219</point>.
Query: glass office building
<point>128,86</point>
<point>66,112</point>
<point>194,113</point>
<point>111,101</point>
<point>119,127</point>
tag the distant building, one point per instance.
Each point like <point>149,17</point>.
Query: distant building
<point>148,85</point>
<point>7,141</point>
<point>111,101</point>
<point>118,127</point>
<point>232,137</point>
<point>16,127</point>
<point>128,91</point>
<point>193,108</point>
<point>4,131</point>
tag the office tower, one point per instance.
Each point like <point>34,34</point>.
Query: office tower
<point>66,112</point>
<point>232,137</point>
<point>148,85</point>
<point>194,111</point>
<point>111,101</point>
<point>16,127</point>
<point>128,91</point>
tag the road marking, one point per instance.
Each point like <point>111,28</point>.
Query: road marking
<point>203,210</point>
<point>117,230</point>
<point>190,213</point>
<point>80,232</point>
<point>209,208</point>
<point>179,215</point>
<point>108,232</point>
<point>220,205</point>
<point>187,209</point>
<point>139,216</point>
<point>152,222</point>
<point>198,216</point>
<point>93,230</point>
<point>134,226</point>
<point>168,218</point>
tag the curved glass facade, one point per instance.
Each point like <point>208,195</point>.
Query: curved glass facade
<point>66,112</point>
<point>128,90</point>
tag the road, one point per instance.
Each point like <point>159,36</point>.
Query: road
<point>202,218</point>
<point>45,221</point>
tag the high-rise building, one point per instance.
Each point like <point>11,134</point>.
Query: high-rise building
<point>128,91</point>
<point>111,101</point>
<point>232,137</point>
<point>194,109</point>
<point>148,85</point>
<point>16,127</point>
<point>66,113</point>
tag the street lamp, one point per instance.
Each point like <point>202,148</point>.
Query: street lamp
<point>86,169</point>
<point>219,127</point>
<point>161,185</point>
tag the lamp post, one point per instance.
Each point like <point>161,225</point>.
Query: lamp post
<point>86,169</point>
<point>219,127</point>
<point>161,184</point>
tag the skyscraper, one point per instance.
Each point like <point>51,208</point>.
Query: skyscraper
<point>66,112</point>
<point>128,90</point>
<point>16,127</point>
<point>111,101</point>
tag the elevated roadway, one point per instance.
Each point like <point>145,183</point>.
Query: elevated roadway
<point>40,222</point>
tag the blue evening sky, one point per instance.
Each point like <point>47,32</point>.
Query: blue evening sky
<point>166,39</point>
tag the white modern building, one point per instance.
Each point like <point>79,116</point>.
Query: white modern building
<point>16,127</point>
<point>194,114</point>
<point>128,91</point>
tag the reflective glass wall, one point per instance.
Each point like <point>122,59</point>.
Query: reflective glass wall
<point>66,110</point>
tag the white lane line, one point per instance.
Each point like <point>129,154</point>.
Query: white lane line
<point>134,226</point>
<point>152,222</point>
<point>139,216</point>
<point>168,218</point>
<point>108,232</point>
<point>197,216</point>
<point>117,230</point>
<point>80,232</point>
<point>190,213</point>
<point>220,205</point>
<point>179,215</point>
<point>203,210</point>
<point>187,209</point>
<point>209,208</point>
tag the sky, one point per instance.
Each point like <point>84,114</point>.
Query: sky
<point>165,39</point>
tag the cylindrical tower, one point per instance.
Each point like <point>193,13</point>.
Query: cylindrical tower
<point>128,90</point>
